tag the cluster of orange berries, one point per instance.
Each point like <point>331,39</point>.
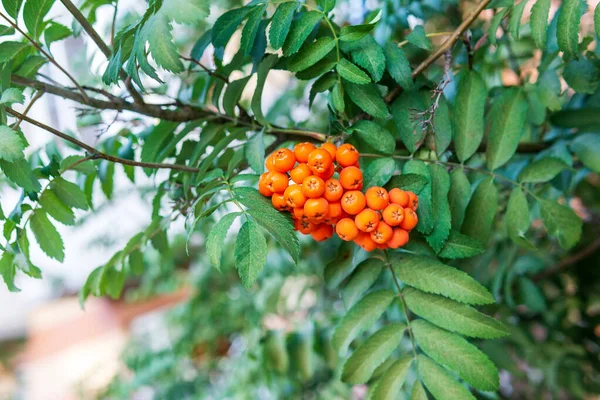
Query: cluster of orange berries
<point>321,204</point>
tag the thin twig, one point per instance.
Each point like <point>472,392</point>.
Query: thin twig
<point>206,69</point>
<point>569,261</point>
<point>33,100</point>
<point>48,56</point>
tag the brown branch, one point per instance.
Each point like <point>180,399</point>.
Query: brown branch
<point>85,24</point>
<point>33,100</point>
<point>48,56</point>
<point>569,261</point>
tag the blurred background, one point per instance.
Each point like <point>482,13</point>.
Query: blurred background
<point>185,330</point>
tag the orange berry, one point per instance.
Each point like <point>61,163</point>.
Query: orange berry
<point>262,186</point>
<point>383,246</point>
<point>333,190</point>
<point>346,155</point>
<point>322,232</point>
<point>353,202</point>
<point>399,196</point>
<point>399,238</point>
<point>413,201</point>
<point>327,174</point>
<point>294,196</point>
<point>276,181</point>
<point>319,161</point>
<point>279,202</point>
<point>316,210</point>
<point>299,213</point>
<point>313,187</point>
<point>284,160</point>
<point>346,229</point>
<point>300,173</point>
<point>364,240</point>
<point>351,178</point>
<point>410,219</point>
<point>377,198</point>
<point>304,226</point>
<point>331,148</point>
<point>302,150</point>
<point>367,220</point>
<point>382,233</point>
<point>335,212</point>
<point>269,163</point>
<point>393,214</point>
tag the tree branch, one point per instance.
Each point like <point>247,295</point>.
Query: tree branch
<point>567,262</point>
<point>85,24</point>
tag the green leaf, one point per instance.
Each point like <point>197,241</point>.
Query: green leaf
<point>278,225</point>
<point>364,276</point>
<point>250,252</point>
<point>8,271</point>
<point>562,222</point>
<point>439,382</point>
<point>409,128</point>
<point>425,212</point>
<point>587,149</point>
<point>323,84</point>
<point>300,349</point>
<point>495,24</point>
<point>12,7</point>
<point>46,235</point>
<point>326,5</point>
<point>353,33</point>
<point>254,151</point>
<point>388,387</point>
<point>418,38</point>
<point>429,275</point>
<point>186,11</point>
<point>456,354</point>
<point>251,29</point>
<point>56,32</point>
<point>11,145</point>
<point>468,115</point>
<point>311,53</point>
<point>34,12</point>
<point>596,18</point>
<point>69,193</point>
<point>300,30</point>
<point>412,182</point>
<point>568,27</point>
<point>440,186</point>
<point>582,75</point>
<point>375,136</point>
<point>370,354</point>
<point>368,54</point>
<point>539,22</point>
<point>12,96</point>
<point>320,68</point>
<point>442,124</point>
<point>379,172</point>
<point>516,15</point>
<point>480,214</point>
<point>461,246</point>
<point>398,66</point>
<point>233,94</point>
<point>156,141</point>
<point>56,208</point>
<point>216,238</point>
<point>6,30</point>
<point>418,392</point>
<point>542,170</point>
<point>352,73</point>
<point>10,50</point>
<point>226,25</point>
<point>340,267</point>
<point>584,119</point>
<point>458,197</point>
<point>20,173</point>
<point>337,98</point>
<point>157,31</point>
<point>453,316</point>
<point>368,98</point>
<point>361,317</point>
<point>280,24</point>
<point>263,71</point>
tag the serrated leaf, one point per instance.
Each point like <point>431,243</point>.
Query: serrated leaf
<point>439,382</point>
<point>254,151</point>
<point>69,193</point>
<point>250,252</point>
<point>388,387</point>
<point>11,145</point>
<point>368,98</point>
<point>263,71</point>
<point>481,211</point>
<point>568,27</point>
<point>379,172</point>
<point>20,173</point>
<point>10,50</point>
<point>412,182</point>
<point>56,208</point>
<point>514,24</point>
<point>227,24</point>
<point>507,123</point>
<point>157,32</point>
<point>360,317</point>
<point>323,84</point>
<point>495,24</point>
<point>278,225</point>
<point>461,246</point>
<point>186,11</point>
<point>587,149</point>
<point>46,235</point>
<point>456,354</point>
<point>542,170</point>
<point>398,66</point>
<point>361,364</point>
<point>352,33</point>
<point>368,54</point>
<point>337,98</point>
<point>12,96</point>
<point>320,68</point>
<point>351,72</point>
<point>363,277</point>
<point>251,29</point>
<point>8,271</point>
<point>430,275</point>
<point>425,213</point>
<point>12,7</point>
<point>56,32</point>
<point>410,130</point>
<point>453,316</point>
<point>216,238</point>
<point>440,186</point>
<point>468,115</point>
<point>562,222</point>
<point>458,197</point>
<point>442,124</point>
<point>300,30</point>
<point>375,136</point>
<point>418,38</point>
<point>34,12</point>
<point>280,24</point>
<point>311,53</point>
<point>539,22</point>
